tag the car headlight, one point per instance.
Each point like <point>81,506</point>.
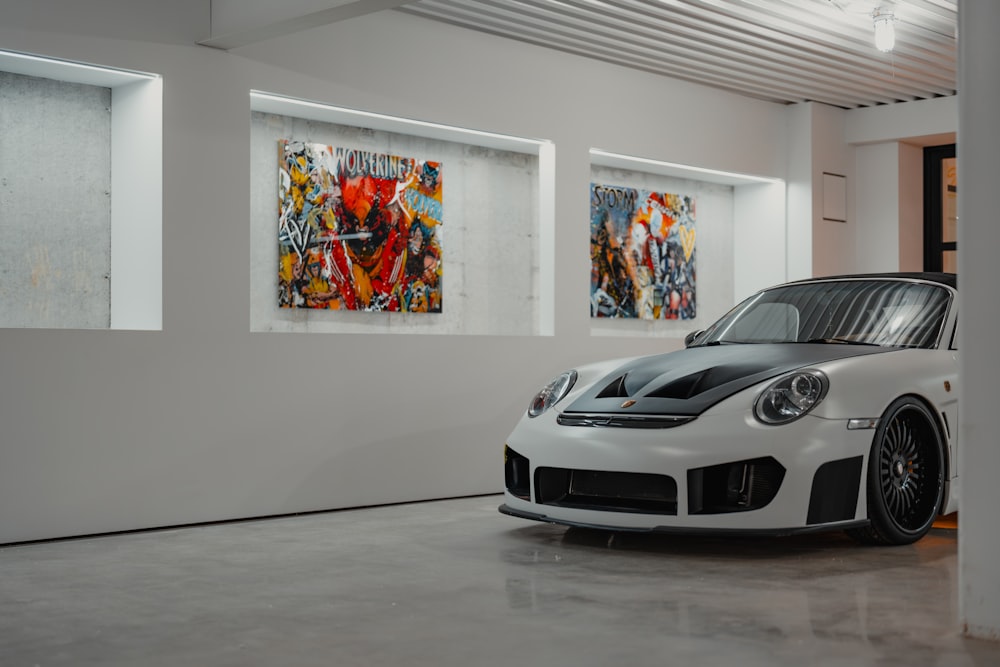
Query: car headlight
<point>552,393</point>
<point>790,397</point>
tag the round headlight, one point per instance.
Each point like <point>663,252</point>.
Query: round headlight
<point>790,397</point>
<point>552,393</point>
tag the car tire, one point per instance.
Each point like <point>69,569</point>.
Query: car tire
<point>905,481</point>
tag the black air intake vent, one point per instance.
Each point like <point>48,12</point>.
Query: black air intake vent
<point>702,381</point>
<point>739,486</point>
<point>615,390</point>
<point>516,473</point>
<point>635,492</point>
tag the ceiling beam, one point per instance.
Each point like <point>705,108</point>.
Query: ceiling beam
<point>242,22</point>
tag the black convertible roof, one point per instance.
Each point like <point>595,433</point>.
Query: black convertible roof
<point>949,279</point>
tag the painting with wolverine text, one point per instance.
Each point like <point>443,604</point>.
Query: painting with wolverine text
<point>358,230</point>
<point>642,254</point>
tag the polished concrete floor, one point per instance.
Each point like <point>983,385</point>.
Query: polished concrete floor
<point>455,583</point>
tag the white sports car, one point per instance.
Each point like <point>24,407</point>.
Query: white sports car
<point>822,404</point>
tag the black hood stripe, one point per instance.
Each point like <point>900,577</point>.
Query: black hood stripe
<point>690,381</point>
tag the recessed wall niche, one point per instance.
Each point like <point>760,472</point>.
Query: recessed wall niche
<point>736,228</point>
<point>495,233</point>
<point>80,195</point>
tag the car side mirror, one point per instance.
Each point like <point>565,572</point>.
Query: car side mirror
<point>692,337</point>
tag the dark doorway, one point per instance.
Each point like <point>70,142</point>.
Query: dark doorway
<point>940,209</point>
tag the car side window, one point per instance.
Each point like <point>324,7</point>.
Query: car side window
<point>954,337</point>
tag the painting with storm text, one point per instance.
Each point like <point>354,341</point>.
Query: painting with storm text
<point>642,252</point>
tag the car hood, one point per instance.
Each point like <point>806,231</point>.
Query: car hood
<point>690,381</point>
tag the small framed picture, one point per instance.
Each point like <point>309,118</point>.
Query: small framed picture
<point>834,197</point>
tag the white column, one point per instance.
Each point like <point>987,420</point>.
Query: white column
<point>799,237</point>
<point>978,244</point>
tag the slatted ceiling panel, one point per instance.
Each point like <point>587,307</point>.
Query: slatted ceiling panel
<point>784,51</point>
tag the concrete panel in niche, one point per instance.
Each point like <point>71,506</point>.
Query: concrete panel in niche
<point>55,203</point>
<point>490,238</point>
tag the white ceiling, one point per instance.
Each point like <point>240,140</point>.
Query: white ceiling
<point>785,51</point>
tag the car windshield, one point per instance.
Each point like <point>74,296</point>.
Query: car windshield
<point>888,313</point>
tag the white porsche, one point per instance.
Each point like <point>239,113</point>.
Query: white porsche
<point>822,404</point>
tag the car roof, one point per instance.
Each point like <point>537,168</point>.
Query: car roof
<point>949,279</point>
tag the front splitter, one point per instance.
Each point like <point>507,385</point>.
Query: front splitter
<point>686,530</point>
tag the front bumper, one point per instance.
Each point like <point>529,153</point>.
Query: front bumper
<point>690,478</point>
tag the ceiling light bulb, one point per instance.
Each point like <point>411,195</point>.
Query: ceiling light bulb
<point>885,31</point>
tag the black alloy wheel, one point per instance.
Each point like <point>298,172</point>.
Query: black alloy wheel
<point>905,476</point>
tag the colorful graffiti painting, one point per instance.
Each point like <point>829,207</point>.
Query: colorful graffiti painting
<point>642,253</point>
<point>358,230</point>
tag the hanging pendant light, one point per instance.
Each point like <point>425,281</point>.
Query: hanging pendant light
<point>885,30</point>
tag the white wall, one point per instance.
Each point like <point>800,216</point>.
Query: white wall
<point>762,238</point>
<point>911,207</point>
<point>878,207</point>
<point>889,206</point>
<point>818,247</point>
<point>833,241</point>
<point>136,205</point>
<point>204,420</point>
<point>978,240</point>
<point>801,214</point>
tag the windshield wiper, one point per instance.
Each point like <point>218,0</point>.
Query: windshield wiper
<point>844,341</point>
<point>713,343</point>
